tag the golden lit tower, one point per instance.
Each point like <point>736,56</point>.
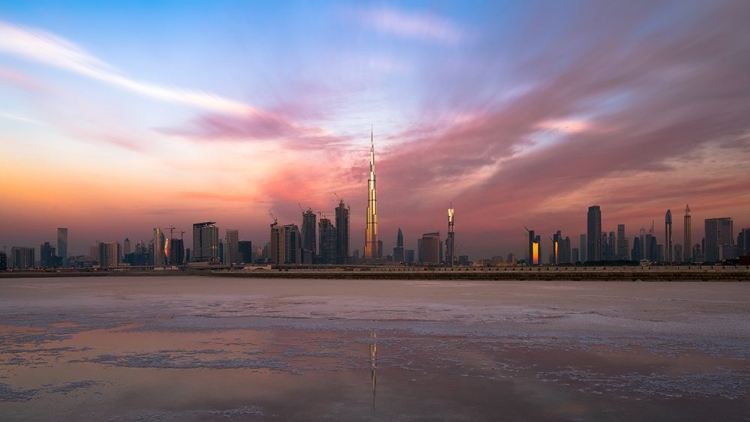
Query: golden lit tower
<point>371,230</point>
<point>450,241</point>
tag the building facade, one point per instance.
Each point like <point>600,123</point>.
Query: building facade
<point>205,242</point>
<point>593,234</point>
<point>62,245</point>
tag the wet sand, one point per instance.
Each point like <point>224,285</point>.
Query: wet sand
<point>204,349</point>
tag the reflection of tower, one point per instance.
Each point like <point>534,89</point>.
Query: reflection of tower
<point>373,365</point>
<point>371,230</point>
<point>687,228</point>
<point>449,242</point>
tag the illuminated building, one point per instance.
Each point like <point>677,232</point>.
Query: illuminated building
<point>62,245</point>
<point>593,234</point>
<point>160,248</point>
<point>449,242</point>
<point>342,233</point>
<point>534,250</point>
<point>556,238</point>
<point>371,228</point>
<point>668,237</point>
<point>205,242</point>
<point>688,240</point>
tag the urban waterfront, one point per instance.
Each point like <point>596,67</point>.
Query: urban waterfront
<point>213,348</point>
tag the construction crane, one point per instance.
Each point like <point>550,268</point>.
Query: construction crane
<point>182,234</point>
<point>272,217</point>
<point>171,231</point>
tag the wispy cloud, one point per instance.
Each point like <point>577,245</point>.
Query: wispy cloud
<point>412,24</point>
<point>50,49</point>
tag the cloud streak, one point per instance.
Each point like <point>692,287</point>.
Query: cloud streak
<point>412,25</point>
<point>52,50</point>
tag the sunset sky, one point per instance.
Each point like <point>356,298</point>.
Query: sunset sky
<point>118,117</point>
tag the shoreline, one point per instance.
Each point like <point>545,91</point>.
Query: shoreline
<point>645,274</point>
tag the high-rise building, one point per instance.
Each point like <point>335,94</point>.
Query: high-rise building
<point>576,255</point>
<point>430,248</point>
<point>688,239</point>
<point>637,252</point>
<point>593,234</point>
<point>109,254</point>
<point>46,255</point>
<point>342,233</point>
<point>233,247</point>
<point>582,248</point>
<point>126,246</point>
<point>309,238</point>
<point>176,251</point>
<point>398,251</point>
<point>719,232</point>
<point>3,261</point>
<point>246,251</point>
<point>22,257</point>
<point>678,253</point>
<point>327,242</point>
<point>371,228</point>
<point>277,252</point>
<point>743,242</point>
<point>160,248</point>
<point>555,254</point>
<point>292,244</point>
<point>205,242</point>
<point>565,256</point>
<point>62,245</point>
<point>622,243</point>
<point>668,237</point>
<point>450,241</point>
<point>534,249</point>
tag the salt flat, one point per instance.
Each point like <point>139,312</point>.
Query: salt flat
<point>203,348</point>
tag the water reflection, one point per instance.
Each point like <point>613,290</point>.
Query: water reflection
<point>373,365</point>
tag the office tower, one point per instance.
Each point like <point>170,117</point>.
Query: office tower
<point>309,237</point>
<point>278,249</point>
<point>719,232</point>
<point>398,251</point>
<point>62,245</point>
<point>126,246</point>
<point>371,228</point>
<point>688,232</point>
<point>22,257</point>
<point>642,237</point>
<point>292,245</point>
<point>605,247</point>
<point>535,250</point>
<point>342,233</point>
<point>245,248</point>
<point>555,254</point>
<point>622,243</point>
<point>205,242</point>
<point>46,255</point>
<point>668,237</point>
<point>565,256</point>
<point>109,254</point>
<point>409,256</point>
<point>593,234</point>
<point>743,242</point>
<point>449,242</point>
<point>678,253</point>
<point>576,255</point>
<point>637,252</point>
<point>3,261</point>
<point>430,248</point>
<point>176,252</point>
<point>327,242</point>
<point>582,248</point>
<point>232,250</point>
<point>160,247</point>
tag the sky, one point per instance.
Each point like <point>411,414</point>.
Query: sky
<point>118,117</point>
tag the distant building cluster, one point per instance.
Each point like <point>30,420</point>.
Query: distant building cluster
<point>598,246</point>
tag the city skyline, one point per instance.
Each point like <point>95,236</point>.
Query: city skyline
<point>522,114</point>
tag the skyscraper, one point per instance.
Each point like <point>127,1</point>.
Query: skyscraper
<point>582,248</point>
<point>593,234</point>
<point>309,247</point>
<point>449,242</point>
<point>687,227</point>
<point>430,248</point>
<point>622,243</point>
<point>277,252</point>
<point>246,251</point>
<point>62,245</point>
<point>342,233</point>
<point>205,242</point>
<point>126,246</point>
<point>327,242</point>
<point>233,246</point>
<point>534,251</point>
<point>109,254</point>
<point>160,248</point>
<point>718,234</point>
<point>555,255</point>
<point>46,255</point>
<point>371,229</point>
<point>292,245</point>
<point>398,251</point>
<point>668,257</point>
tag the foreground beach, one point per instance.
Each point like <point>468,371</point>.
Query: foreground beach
<point>212,348</point>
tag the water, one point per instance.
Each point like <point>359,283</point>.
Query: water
<point>204,349</point>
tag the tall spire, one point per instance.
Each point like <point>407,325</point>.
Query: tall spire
<point>371,229</point>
